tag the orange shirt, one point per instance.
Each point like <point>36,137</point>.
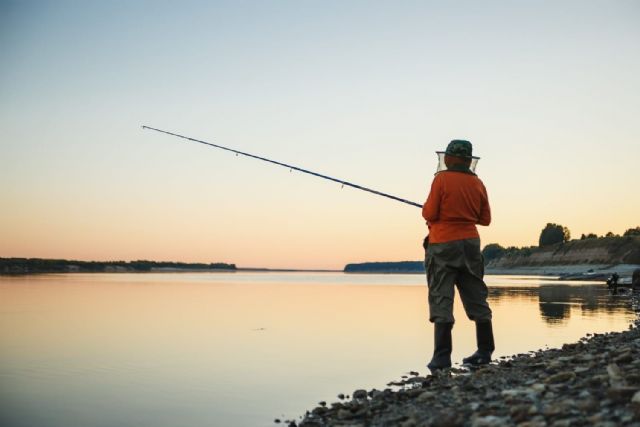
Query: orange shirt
<point>456,203</point>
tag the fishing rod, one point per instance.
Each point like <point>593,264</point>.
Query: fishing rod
<point>290,167</point>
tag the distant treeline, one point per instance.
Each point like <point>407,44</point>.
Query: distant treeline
<point>555,247</point>
<point>38,265</point>
<point>386,267</point>
<point>601,250</point>
<point>556,239</point>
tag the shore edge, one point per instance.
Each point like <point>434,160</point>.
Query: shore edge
<point>595,381</point>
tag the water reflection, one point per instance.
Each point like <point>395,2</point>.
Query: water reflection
<point>557,301</point>
<point>242,349</point>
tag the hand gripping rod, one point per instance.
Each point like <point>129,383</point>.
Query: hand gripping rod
<point>290,167</point>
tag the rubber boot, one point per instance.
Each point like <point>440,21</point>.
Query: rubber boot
<point>442,349</point>
<point>484,338</point>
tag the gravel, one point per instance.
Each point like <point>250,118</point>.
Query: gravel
<point>593,382</point>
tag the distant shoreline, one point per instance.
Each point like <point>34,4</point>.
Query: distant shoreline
<point>16,266</point>
<point>24,266</point>
<point>286,270</point>
<point>582,271</point>
<point>239,270</point>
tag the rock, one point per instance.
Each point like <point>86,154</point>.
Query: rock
<point>555,365</point>
<point>615,375</point>
<point>411,422</point>
<point>490,394</point>
<point>624,358</point>
<point>536,366</point>
<point>411,392</point>
<point>449,420</point>
<point>376,394</point>
<point>606,402</point>
<point>623,349</point>
<point>533,423</point>
<point>560,377</point>
<point>588,404</point>
<point>511,393</point>
<point>319,410</point>
<point>621,394</point>
<point>562,423</point>
<point>343,414</point>
<point>489,421</point>
<point>518,394</point>
<point>636,397</point>
<point>426,396</point>
<point>614,372</point>
<point>360,394</point>
<point>538,387</point>
<point>632,378</point>
<point>521,412</point>
<point>598,380</point>
<point>552,409</point>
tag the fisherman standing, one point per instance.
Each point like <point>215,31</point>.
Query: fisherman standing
<point>456,203</point>
<point>612,283</point>
<point>635,279</point>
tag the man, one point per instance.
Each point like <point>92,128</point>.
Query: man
<point>635,279</point>
<point>612,283</point>
<point>456,203</point>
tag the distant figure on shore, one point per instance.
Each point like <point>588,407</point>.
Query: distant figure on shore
<point>456,203</point>
<point>635,279</point>
<point>612,283</point>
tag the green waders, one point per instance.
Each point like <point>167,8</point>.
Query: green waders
<point>457,264</point>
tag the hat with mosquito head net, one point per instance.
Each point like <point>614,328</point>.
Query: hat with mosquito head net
<point>458,148</point>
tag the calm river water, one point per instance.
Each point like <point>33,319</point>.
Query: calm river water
<point>241,349</point>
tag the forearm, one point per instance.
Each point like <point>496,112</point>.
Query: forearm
<point>485,216</point>
<point>430,213</point>
<point>431,208</point>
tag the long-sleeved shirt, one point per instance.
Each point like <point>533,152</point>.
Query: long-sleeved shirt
<point>456,203</point>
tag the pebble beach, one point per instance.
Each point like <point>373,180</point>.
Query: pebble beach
<point>592,382</point>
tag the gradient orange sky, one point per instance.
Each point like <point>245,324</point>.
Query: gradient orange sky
<point>365,91</point>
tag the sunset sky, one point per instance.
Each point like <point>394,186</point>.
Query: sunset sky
<point>548,92</point>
